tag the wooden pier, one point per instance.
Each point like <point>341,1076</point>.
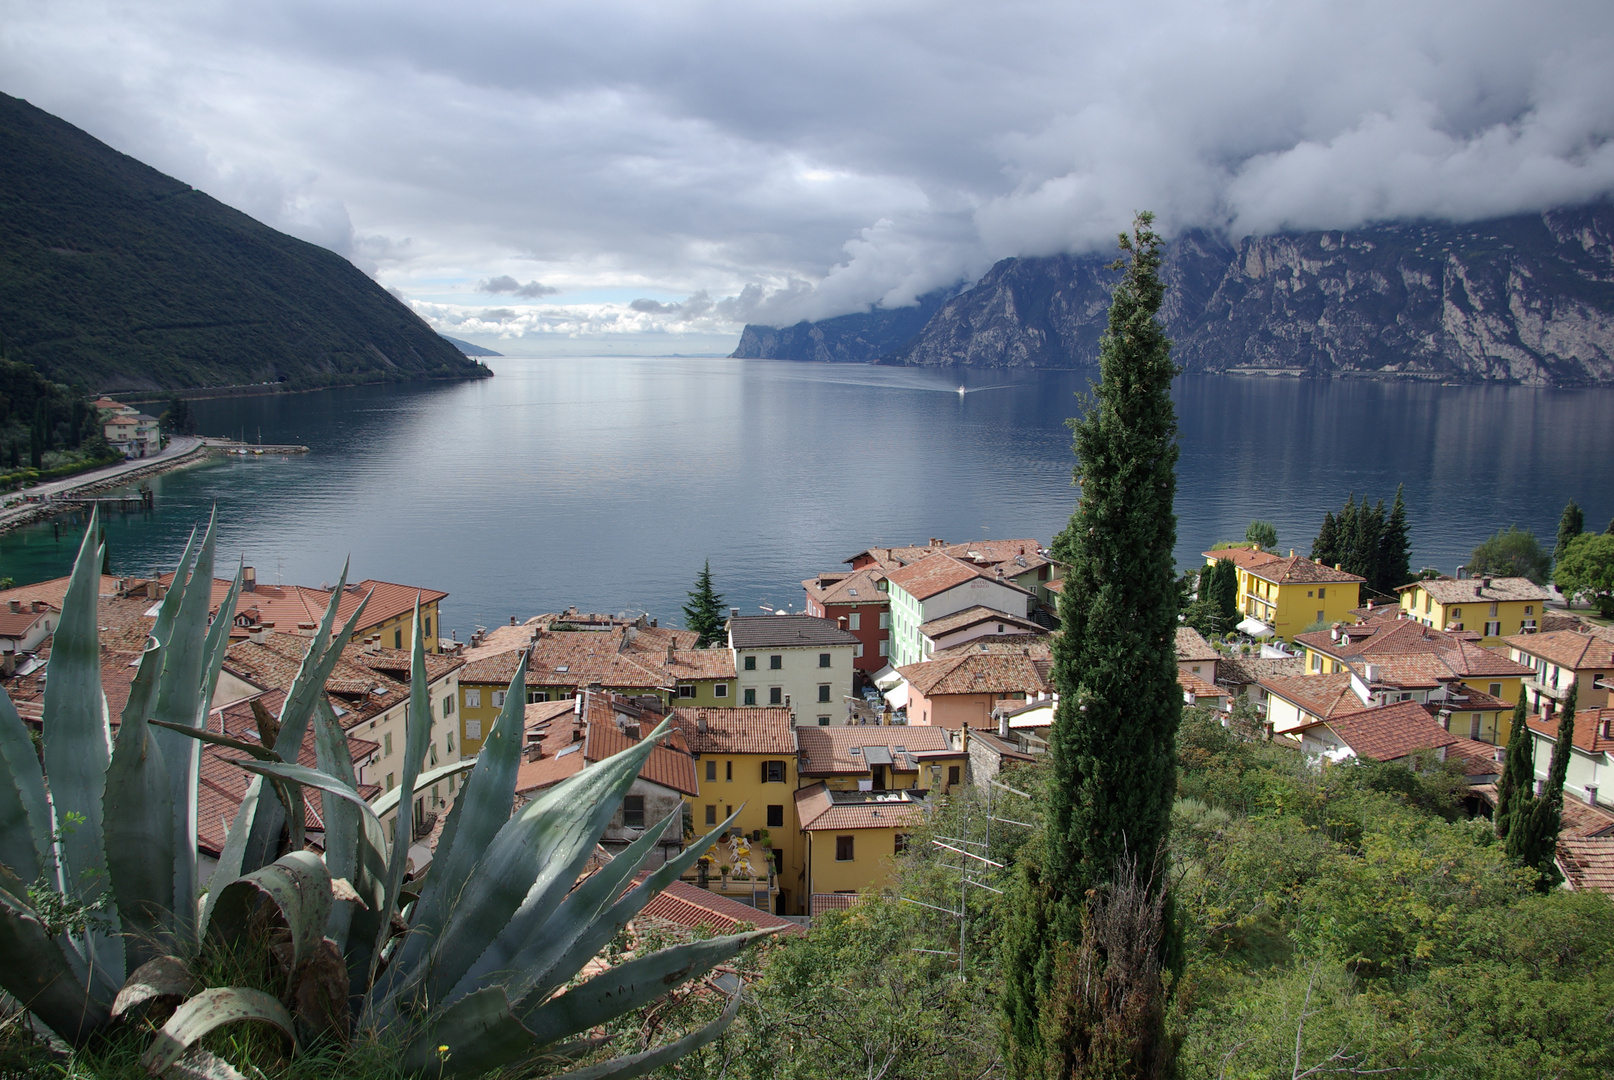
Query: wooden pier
<point>140,500</point>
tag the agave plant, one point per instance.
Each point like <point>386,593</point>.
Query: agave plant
<point>475,965</point>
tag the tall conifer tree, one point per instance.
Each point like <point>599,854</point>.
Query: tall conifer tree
<point>1532,838</point>
<point>704,612</point>
<point>1112,745</point>
<point>1325,548</point>
<point>1518,771</point>
<point>1395,547</point>
<point>1570,525</point>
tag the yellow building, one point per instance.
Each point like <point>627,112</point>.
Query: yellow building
<point>1493,608</point>
<point>1285,595</point>
<point>852,837</point>
<point>1380,639</point>
<point>745,760</point>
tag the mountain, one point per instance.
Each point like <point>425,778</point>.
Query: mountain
<point>855,338</point>
<point>1527,299</point>
<point>118,277</point>
<point>468,349</point>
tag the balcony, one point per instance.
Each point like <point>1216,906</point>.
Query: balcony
<point>759,892</point>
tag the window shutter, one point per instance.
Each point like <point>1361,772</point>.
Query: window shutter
<point>764,772</point>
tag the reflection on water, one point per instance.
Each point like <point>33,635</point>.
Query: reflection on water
<point>606,482</point>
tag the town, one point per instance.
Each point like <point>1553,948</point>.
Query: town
<point>826,736</point>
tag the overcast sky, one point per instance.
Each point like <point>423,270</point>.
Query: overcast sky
<point>605,176</point>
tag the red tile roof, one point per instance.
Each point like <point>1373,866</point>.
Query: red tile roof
<point>1193,684</point>
<point>693,907</point>
<point>1191,646</point>
<point>1568,649</point>
<point>827,751</point>
<point>742,730</point>
<point>848,588</point>
<point>820,809</point>
<point>977,673</point>
<point>936,574</point>
<point>1446,590</point>
<point>974,616</point>
<point>1389,732</point>
<point>1320,695</point>
<point>570,742</point>
<point>1594,729</point>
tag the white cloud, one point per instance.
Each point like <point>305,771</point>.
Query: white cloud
<point>809,157</point>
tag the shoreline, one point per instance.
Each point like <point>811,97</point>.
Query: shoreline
<point>16,517</point>
<point>242,390</point>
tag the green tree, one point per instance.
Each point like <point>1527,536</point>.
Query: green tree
<point>177,419</point>
<point>1570,525</point>
<point>1395,547</point>
<point>1263,533</point>
<point>1325,548</point>
<point>1364,546</point>
<point>1511,552</point>
<point>1585,568</point>
<point>1518,771</point>
<point>704,612</point>
<point>1532,839</point>
<point>1085,993</point>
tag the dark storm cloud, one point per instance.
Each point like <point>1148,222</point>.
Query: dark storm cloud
<point>504,283</point>
<point>803,159</point>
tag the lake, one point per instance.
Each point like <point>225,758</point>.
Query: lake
<point>606,482</point>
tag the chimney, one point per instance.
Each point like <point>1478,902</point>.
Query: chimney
<point>1291,553</point>
<point>1445,718</point>
<point>40,606</point>
<point>734,613</point>
<point>700,723</point>
<point>249,579</point>
<point>512,620</point>
<point>16,607</point>
<point>654,623</point>
<point>840,622</point>
<point>1340,567</point>
<point>259,634</point>
<point>669,653</point>
<point>1486,581</point>
<point>154,589</point>
<point>1591,794</point>
<point>1003,725</point>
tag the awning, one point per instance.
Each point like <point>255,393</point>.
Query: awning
<point>886,677</point>
<point>1254,628</point>
<point>897,696</point>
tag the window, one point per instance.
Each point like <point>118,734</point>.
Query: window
<point>773,772</point>
<point>1495,690</point>
<point>952,775</point>
<point>854,621</point>
<point>776,817</point>
<point>633,811</point>
<point>823,691</point>
<point>397,639</point>
<point>711,815</point>
<point>750,663</point>
<point>1308,592</point>
<point>728,770</point>
<point>390,782</point>
<point>686,690</point>
<point>899,843</point>
<point>885,620</point>
<point>448,706</point>
<point>776,663</point>
<point>720,690</point>
<point>750,696</point>
<point>1322,594</point>
<point>1474,726</point>
<point>473,729</point>
<point>1457,613</point>
<point>498,699</point>
<point>535,696</point>
<point>1316,662</point>
<point>823,721</point>
<point>776,695</point>
<point>1493,609</point>
<point>711,769</point>
<point>823,659</point>
<point>432,753</point>
<point>843,849</point>
<point>1427,600</point>
<point>885,648</point>
<point>1319,617</point>
<point>1529,609</point>
<point>728,811</point>
<point>857,651</point>
<point>451,740</point>
<point>427,628</point>
<point>1493,629</point>
<point>386,745</point>
<point>473,699</point>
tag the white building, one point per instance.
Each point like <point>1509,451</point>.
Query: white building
<point>940,585</point>
<point>796,661</point>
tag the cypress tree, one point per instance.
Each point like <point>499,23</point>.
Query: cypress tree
<point>1113,772</point>
<point>1518,771</point>
<point>704,612</point>
<point>1346,526</point>
<point>1365,548</point>
<point>1395,547</point>
<point>1532,838</point>
<point>1224,590</point>
<point>1570,525</point>
<point>1325,548</point>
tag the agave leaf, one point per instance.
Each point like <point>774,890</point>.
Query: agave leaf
<point>628,986</point>
<point>518,963</point>
<point>480,811</point>
<point>37,971</point>
<point>302,774</point>
<point>77,750</point>
<point>257,750</point>
<point>341,817</point>
<point>163,976</point>
<point>169,608</point>
<point>24,812</point>
<point>218,643</point>
<point>387,801</point>
<point>631,1065</point>
<point>235,845</point>
<point>417,737</point>
<point>309,684</point>
<point>530,865</point>
<point>471,1036</point>
<point>208,1011</point>
<point>139,817</point>
<point>298,885</point>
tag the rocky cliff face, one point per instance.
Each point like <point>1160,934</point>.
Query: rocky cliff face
<point>1526,299</point>
<point>852,339</point>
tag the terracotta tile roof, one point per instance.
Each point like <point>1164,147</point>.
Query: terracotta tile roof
<point>742,730</point>
<point>1298,570</point>
<point>1036,647</point>
<point>936,574</point>
<point>117,676</point>
<point>1472,661</point>
<point>1320,695</point>
<point>1016,556</point>
<point>669,764</point>
<point>569,743</point>
<point>1406,671</point>
<point>786,631</point>
<point>1568,649</point>
<point>1242,557</point>
<point>1594,729</point>
<point>52,592</point>
<point>1446,590</point>
<point>827,751</point>
<point>16,624</point>
<point>1588,863</point>
<point>691,906</point>
<point>1241,670</point>
<point>977,673</point>
<point>1193,684</point>
<point>820,809</point>
<point>848,588</point>
<point>502,639</point>
<point>362,684</point>
<point>1477,758</point>
<point>1191,646</point>
<point>289,606</point>
<point>1000,747</point>
<point>650,647</point>
<point>1389,732</point>
<point>539,713</point>
<point>973,616</point>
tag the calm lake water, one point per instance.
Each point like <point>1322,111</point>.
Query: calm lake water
<point>606,482</point>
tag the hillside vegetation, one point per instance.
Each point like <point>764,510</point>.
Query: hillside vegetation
<point>117,277</point>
